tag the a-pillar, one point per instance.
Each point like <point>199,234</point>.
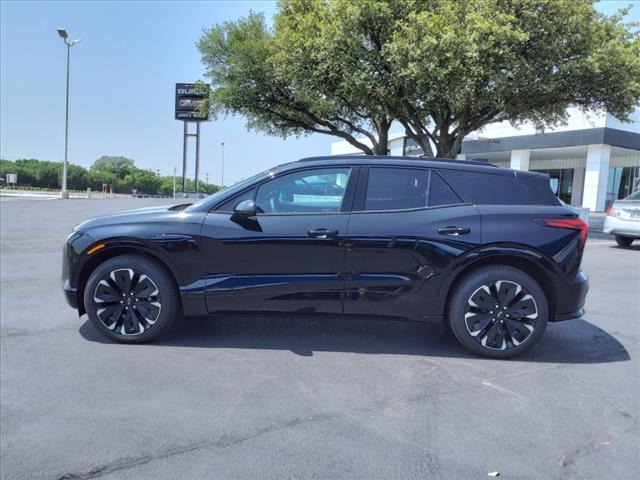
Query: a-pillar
<point>595,177</point>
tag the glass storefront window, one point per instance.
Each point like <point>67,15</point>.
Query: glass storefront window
<point>561,182</point>
<point>621,182</point>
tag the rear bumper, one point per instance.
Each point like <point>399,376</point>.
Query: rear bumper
<point>571,297</point>
<point>619,226</point>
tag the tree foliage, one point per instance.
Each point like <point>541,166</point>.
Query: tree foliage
<point>441,69</point>
<point>117,167</point>
<point>119,172</point>
<point>250,74</point>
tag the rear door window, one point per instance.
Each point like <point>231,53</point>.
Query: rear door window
<point>390,188</point>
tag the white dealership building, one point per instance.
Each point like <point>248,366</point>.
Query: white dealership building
<point>591,161</point>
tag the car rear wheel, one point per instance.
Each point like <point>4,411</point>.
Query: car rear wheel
<point>624,241</point>
<point>130,299</point>
<point>498,312</point>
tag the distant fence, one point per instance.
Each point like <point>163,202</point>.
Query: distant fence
<point>13,191</point>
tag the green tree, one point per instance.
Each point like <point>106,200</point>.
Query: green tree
<point>7,166</point>
<point>114,167</point>
<point>251,75</point>
<point>442,69</point>
<point>78,178</point>
<point>145,181</point>
<point>166,186</point>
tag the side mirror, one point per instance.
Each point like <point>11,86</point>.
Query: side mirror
<point>244,209</point>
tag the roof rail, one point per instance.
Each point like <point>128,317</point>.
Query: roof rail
<point>475,161</point>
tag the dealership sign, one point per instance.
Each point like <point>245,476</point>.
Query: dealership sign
<point>410,148</point>
<point>189,98</point>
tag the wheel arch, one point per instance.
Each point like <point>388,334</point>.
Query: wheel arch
<point>110,252</point>
<point>527,265</point>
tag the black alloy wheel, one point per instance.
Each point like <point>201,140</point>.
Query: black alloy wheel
<point>501,314</point>
<point>131,298</point>
<point>127,301</point>
<point>498,311</point>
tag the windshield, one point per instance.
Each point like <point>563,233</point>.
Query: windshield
<point>233,188</point>
<point>634,196</point>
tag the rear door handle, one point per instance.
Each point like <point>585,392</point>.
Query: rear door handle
<point>454,230</point>
<point>322,233</point>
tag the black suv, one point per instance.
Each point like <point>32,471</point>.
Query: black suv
<point>490,252</point>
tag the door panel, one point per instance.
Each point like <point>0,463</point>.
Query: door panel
<point>287,258</point>
<point>395,260</point>
<point>271,263</point>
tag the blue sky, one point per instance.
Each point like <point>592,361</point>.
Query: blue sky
<point>122,85</point>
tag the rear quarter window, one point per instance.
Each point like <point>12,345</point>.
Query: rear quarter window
<point>488,189</point>
<point>440,193</point>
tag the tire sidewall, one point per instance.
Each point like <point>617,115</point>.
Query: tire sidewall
<point>488,275</point>
<point>623,241</point>
<point>156,273</point>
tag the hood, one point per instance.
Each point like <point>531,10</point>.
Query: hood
<point>138,215</point>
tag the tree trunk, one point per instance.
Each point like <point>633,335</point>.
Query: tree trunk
<point>449,146</point>
<point>382,145</point>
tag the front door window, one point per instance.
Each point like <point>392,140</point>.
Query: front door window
<point>309,191</point>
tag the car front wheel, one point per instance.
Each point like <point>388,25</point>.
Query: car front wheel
<point>498,312</point>
<point>130,298</point>
<point>624,241</point>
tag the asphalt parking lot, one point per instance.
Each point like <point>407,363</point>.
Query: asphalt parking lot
<point>270,398</point>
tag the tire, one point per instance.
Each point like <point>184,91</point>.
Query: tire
<point>512,328</point>
<point>624,241</point>
<point>131,299</point>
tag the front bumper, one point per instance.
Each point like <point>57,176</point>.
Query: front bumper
<point>571,297</point>
<point>70,294</point>
<point>619,226</point>
<point>76,243</point>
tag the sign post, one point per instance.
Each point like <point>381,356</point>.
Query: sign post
<point>189,98</point>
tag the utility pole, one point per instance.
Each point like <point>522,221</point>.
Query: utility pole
<point>222,176</point>
<point>158,171</point>
<point>174,182</point>
<point>207,175</point>
<point>197,181</point>
<point>64,193</point>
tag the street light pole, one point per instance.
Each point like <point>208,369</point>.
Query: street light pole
<point>222,175</point>
<point>65,193</point>
<point>174,182</point>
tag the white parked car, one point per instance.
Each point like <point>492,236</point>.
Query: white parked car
<point>623,219</point>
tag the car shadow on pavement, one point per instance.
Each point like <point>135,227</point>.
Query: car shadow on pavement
<point>576,341</point>
<point>633,246</point>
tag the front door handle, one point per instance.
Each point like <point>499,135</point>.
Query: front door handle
<point>454,230</point>
<point>322,233</point>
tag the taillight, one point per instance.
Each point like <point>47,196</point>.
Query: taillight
<point>571,223</point>
<point>610,211</point>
